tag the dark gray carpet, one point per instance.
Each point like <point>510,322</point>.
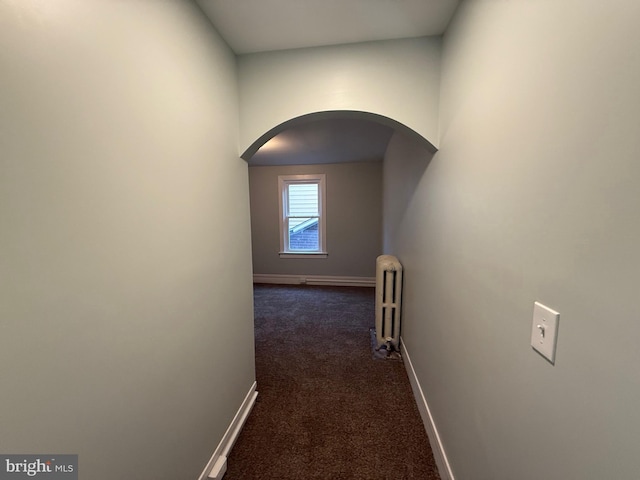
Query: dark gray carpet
<point>326,408</point>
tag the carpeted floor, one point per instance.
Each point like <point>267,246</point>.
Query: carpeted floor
<point>326,408</point>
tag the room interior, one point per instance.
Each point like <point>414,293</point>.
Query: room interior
<point>509,177</point>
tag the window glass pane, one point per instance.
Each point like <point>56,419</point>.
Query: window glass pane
<point>303,199</point>
<point>303,234</point>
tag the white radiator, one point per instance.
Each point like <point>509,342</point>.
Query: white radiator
<point>388,297</point>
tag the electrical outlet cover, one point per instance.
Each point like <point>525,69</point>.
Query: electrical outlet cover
<point>544,331</point>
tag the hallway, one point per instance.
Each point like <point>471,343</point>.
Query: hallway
<point>129,255</point>
<point>326,408</point>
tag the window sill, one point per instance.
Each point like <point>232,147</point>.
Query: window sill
<point>303,255</point>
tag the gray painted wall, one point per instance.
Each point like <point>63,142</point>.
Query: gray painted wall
<point>126,331</point>
<point>533,196</point>
<point>398,79</point>
<point>354,220</point>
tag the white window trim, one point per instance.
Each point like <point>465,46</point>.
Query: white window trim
<point>283,182</point>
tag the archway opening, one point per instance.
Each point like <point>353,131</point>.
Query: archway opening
<point>328,137</point>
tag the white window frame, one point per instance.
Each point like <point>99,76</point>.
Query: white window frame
<point>283,183</point>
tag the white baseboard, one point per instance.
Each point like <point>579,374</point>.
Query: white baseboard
<point>338,281</point>
<point>434,438</point>
<point>217,465</point>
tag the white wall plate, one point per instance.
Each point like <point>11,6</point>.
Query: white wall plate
<point>544,331</point>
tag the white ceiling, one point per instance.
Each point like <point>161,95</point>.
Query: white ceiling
<point>251,26</point>
<point>326,141</point>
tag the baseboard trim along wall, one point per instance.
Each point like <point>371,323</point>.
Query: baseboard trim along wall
<point>217,465</point>
<point>315,280</point>
<point>434,438</point>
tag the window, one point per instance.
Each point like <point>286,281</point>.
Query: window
<point>302,215</point>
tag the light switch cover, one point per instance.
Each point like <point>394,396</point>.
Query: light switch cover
<point>544,331</point>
